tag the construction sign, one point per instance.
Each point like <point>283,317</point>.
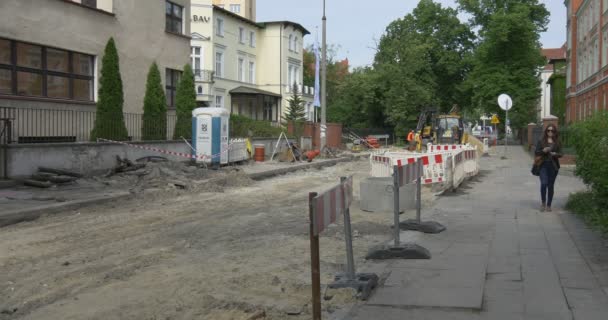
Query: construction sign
<point>495,119</point>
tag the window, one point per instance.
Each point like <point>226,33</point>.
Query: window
<point>236,8</point>
<point>241,66</point>
<point>251,72</point>
<point>196,57</point>
<point>295,44</point>
<point>38,71</point>
<point>252,39</point>
<point>219,101</point>
<point>290,42</point>
<point>605,49</point>
<point>219,28</point>
<point>174,19</point>
<point>241,35</point>
<point>605,5</point>
<point>172,78</point>
<point>89,3</point>
<point>219,64</point>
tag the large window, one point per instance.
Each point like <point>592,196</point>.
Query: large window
<point>241,66</point>
<point>196,56</point>
<point>236,8</point>
<point>219,27</point>
<point>219,101</point>
<point>241,35</point>
<point>219,64</point>
<point>174,21</point>
<point>251,72</point>
<point>172,78</point>
<point>38,71</point>
<point>252,39</point>
<point>290,42</point>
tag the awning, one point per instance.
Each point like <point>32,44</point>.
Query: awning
<point>248,90</point>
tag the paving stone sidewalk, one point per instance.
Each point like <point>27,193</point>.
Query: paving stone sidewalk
<point>500,258</point>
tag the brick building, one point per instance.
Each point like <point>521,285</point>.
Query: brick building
<point>587,69</point>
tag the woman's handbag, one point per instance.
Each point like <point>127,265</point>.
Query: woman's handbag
<point>538,161</point>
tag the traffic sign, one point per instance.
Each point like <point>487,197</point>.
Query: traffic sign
<point>505,102</point>
<point>495,119</point>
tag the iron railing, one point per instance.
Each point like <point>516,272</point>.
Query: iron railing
<point>32,125</point>
<point>203,75</point>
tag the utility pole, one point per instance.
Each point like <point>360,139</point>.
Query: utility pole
<point>323,83</point>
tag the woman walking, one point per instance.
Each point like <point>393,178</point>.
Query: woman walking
<point>550,149</point>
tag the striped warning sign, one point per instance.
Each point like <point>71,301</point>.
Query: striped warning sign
<point>409,172</point>
<point>328,205</point>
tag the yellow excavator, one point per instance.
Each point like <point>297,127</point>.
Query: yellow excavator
<point>439,128</point>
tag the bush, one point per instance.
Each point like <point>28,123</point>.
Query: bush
<point>587,205</point>
<point>109,122</point>
<point>154,125</point>
<point>185,102</point>
<point>241,127</point>
<point>590,140</point>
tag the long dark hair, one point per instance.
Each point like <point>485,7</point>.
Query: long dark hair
<point>555,135</point>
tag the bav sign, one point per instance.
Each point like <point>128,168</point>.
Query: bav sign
<point>505,102</point>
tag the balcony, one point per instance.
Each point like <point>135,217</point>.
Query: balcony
<point>201,75</point>
<point>302,89</point>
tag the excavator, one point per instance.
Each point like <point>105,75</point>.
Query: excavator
<point>439,128</point>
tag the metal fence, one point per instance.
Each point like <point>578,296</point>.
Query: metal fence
<point>32,125</point>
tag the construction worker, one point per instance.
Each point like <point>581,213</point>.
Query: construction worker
<point>411,140</point>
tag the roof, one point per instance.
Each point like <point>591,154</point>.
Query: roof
<point>236,16</point>
<point>555,53</point>
<point>296,25</point>
<point>248,90</point>
<point>260,24</point>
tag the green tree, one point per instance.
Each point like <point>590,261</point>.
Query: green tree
<point>508,57</point>
<point>109,122</point>
<point>155,107</point>
<point>422,60</point>
<point>185,102</point>
<point>295,110</point>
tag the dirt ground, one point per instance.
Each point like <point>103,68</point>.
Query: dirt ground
<point>216,253</point>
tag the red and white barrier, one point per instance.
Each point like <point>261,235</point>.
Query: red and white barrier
<point>433,165</point>
<point>444,147</point>
<point>471,167</point>
<point>328,205</point>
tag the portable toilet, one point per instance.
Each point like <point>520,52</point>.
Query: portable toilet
<point>210,129</point>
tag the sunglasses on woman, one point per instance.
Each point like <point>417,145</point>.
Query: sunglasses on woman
<point>550,130</point>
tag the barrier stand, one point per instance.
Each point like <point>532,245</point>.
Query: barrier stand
<point>324,208</point>
<point>401,175</point>
<point>417,224</point>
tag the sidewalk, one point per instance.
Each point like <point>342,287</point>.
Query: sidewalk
<point>500,258</point>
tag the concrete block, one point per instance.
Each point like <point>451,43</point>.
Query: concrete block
<point>377,195</point>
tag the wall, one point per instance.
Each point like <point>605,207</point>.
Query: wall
<point>87,158</point>
<point>139,32</point>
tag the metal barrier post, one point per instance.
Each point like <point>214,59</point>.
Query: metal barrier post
<point>350,260</point>
<point>418,197</point>
<point>396,204</point>
<point>315,263</point>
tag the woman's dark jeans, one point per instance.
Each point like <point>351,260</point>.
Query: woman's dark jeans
<point>548,174</point>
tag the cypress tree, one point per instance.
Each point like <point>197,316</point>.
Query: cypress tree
<point>185,102</point>
<point>109,123</point>
<point>155,109</point>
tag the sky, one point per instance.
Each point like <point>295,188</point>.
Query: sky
<point>356,26</point>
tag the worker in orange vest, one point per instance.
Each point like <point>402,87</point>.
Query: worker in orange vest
<point>410,139</point>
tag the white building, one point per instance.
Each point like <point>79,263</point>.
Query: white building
<point>544,104</point>
<point>243,65</point>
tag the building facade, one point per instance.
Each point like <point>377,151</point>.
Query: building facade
<point>545,108</point>
<point>245,66</point>
<point>587,58</point>
<point>53,61</point>
<point>244,8</point>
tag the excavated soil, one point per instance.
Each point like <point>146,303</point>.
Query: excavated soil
<point>184,254</point>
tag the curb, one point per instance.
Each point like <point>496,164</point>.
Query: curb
<point>30,214</point>
<point>16,216</point>
<point>277,172</point>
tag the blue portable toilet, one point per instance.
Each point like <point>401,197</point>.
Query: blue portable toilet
<point>210,131</point>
